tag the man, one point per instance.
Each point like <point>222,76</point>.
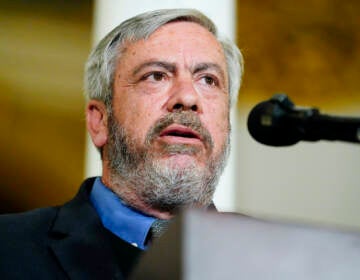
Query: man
<point>159,88</point>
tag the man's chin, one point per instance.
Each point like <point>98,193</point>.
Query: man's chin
<point>180,161</point>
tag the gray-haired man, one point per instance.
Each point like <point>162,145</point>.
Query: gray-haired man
<point>159,89</point>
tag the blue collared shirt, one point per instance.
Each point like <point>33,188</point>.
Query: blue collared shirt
<point>123,221</point>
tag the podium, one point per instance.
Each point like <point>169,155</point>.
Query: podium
<point>219,246</point>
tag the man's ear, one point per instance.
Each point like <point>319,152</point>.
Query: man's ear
<point>96,122</point>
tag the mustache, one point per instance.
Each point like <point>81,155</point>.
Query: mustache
<point>188,119</point>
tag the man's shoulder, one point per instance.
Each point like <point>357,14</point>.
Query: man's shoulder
<point>23,243</point>
<point>23,233</point>
<point>28,239</point>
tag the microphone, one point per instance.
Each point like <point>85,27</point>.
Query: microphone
<point>277,122</point>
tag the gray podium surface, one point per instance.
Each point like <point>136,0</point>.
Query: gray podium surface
<point>207,245</point>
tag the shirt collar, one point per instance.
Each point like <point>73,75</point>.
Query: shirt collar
<point>125,222</point>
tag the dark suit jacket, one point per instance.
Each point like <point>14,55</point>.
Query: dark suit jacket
<point>65,242</point>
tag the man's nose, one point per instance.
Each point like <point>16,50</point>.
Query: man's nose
<point>184,97</point>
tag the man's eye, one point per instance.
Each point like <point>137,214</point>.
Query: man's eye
<point>155,76</point>
<point>209,81</point>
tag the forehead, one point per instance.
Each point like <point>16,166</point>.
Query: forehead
<point>178,40</point>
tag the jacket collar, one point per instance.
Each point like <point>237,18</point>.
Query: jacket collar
<point>83,247</point>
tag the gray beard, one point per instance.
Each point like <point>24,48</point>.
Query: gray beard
<point>161,184</point>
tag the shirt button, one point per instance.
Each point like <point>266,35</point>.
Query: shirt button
<point>134,244</point>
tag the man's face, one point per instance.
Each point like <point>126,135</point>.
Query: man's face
<point>170,98</point>
<point>180,66</point>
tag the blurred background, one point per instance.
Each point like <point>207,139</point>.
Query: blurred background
<point>43,46</point>
<point>308,49</point>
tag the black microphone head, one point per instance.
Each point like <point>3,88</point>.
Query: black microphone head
<point>268,123</point>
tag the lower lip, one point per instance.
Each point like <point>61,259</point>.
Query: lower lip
<point>180,140</point>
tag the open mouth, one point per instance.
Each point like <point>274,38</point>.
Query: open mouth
<point>181,132</point>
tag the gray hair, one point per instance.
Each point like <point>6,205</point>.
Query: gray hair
<point>101,64</point>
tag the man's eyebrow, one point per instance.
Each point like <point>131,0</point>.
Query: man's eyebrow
<point>205,66</point>
<point>166,65</point>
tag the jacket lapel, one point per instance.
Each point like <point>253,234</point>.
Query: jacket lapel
<point>83,247</point>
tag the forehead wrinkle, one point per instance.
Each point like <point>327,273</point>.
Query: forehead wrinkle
<point>171,67</point>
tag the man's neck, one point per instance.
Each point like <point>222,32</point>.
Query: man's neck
<point>131,198</point>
